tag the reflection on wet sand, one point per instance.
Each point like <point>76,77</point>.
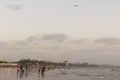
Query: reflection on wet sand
<point>60,74</point>
<point>9,74</point>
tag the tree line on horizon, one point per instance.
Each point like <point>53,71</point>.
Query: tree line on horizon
<point>29,62</point>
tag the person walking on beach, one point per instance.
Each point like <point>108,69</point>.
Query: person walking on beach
<point>38,71</point>
<point>43,72</point>
<point>21,68</point>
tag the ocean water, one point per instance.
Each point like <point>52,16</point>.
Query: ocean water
<point>62,74</point>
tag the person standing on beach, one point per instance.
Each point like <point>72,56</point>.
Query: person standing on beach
<point>21,68</point>
<point>38,71</point>
<point>43,72</point>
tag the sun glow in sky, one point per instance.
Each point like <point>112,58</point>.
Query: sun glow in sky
<point>88,32</point>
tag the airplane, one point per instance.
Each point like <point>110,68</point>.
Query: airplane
<point>75,5</point>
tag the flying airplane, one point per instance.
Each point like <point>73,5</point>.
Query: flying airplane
<point>75,5</point>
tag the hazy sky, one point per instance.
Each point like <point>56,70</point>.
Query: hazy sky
<point>57,30</point>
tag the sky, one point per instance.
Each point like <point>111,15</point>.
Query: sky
<point>56,30</point>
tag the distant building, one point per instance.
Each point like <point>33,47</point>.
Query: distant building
<point>8,64</point>
<point>66,63</point>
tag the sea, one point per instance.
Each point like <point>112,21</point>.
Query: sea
<point>85,73</point>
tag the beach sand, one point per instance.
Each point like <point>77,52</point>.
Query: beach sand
<point>62,74</point>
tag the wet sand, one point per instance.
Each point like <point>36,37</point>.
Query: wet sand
<point>62,74</point>
<point>12,74</point>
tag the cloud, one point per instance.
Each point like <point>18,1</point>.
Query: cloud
<point>108,41</point>
<point>34,38</point>
<point>78,41</point>
<point>48,38</point>
<point>59,47</point>
<point>21,44</point>
<point>15,7</point>
<point>3,44</point>
<point>55,37</point>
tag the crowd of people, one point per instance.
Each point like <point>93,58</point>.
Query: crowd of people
<point>25,69</point>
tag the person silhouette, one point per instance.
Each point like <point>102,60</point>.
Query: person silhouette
<point>43,72</point>
<point>38,71</point>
